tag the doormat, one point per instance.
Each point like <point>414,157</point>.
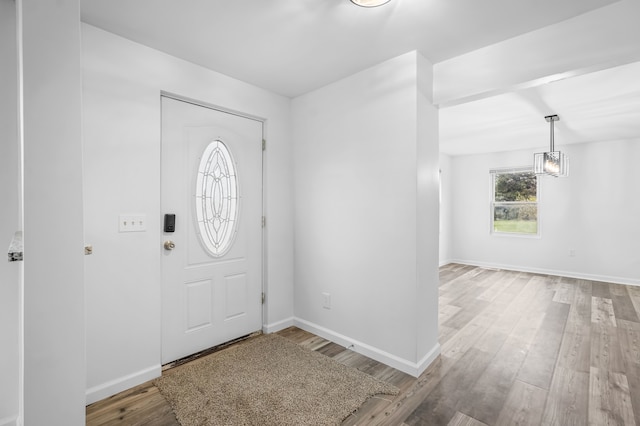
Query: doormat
<point>267,380</point>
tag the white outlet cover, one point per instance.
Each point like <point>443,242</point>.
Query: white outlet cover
<point>326,300</point>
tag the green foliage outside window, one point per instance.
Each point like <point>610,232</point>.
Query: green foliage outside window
<point>516,187</point>
<point>515,207</point>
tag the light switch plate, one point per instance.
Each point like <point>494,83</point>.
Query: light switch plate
<point>132,223</point>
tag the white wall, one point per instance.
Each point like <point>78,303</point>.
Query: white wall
<point>594,211</point>
<point>54,342</point>
<point>446,210</point>
<point>9,213</point>
<point>122,82</point>
<point>358,149</point>
<point>425,299</point>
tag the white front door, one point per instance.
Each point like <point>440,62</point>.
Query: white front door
<point>212,261</point>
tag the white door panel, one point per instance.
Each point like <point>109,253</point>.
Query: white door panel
<point>210,297</point>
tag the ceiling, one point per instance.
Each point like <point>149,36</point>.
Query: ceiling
<point>595,107</point>
<point>291,47</point>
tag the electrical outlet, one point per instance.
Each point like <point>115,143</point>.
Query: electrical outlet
<point>326,300</point>
<point>572,253</point>
<point>132,223</point>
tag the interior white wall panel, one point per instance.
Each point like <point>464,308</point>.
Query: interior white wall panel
<point>356,160</point>
<point>427,216</point>
<point>9,212</point>
<point>54,304</point>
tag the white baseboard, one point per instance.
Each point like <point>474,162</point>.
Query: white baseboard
<point>568,274</point>
<point>277,326</point>
<point>9,421</point>
<point>426,360</point>
<point>411,368</point>
<point>113,387</point>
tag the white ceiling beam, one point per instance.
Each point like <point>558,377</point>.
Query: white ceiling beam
<point>597,40</point>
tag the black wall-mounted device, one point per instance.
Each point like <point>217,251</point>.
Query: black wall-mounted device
<point>169,222</point>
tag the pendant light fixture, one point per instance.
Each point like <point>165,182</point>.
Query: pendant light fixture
<point>370,3</point>
<point>554,162</point>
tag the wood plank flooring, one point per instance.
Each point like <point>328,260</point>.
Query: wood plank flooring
<point>517,349</point>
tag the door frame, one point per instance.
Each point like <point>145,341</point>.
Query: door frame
<point>263,235</point>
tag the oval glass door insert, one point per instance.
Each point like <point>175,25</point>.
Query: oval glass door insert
<point>216,199</point>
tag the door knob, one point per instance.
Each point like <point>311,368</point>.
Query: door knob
<point>169,245</point>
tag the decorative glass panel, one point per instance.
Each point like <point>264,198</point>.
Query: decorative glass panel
<point>216,199</point>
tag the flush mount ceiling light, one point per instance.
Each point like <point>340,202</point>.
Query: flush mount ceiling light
<point>552,163</point>
<point>369,3</point>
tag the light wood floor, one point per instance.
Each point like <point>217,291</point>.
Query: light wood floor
<point>517,349</point>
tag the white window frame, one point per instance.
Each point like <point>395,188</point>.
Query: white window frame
<point>493,173</point>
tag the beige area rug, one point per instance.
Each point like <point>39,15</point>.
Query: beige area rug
<point>267,380</point>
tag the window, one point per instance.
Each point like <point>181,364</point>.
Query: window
<point>514,206</point>
<point>216,199</point>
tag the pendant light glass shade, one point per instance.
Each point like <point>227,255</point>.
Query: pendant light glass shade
<point>369,3</point>
<point>553,163</point>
